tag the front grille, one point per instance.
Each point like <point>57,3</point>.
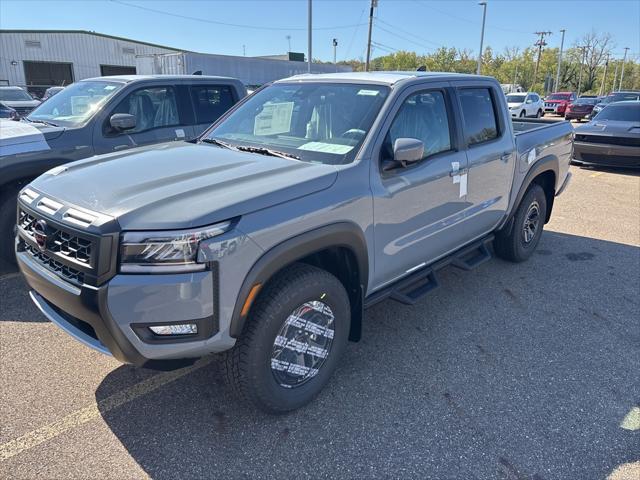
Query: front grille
<point>620,160</point>
<point>606,140</point>
<point>68,273</point>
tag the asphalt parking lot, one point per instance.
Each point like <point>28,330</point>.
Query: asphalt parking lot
<point>525,371</point>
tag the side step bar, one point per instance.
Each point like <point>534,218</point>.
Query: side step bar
<point>409,289</point>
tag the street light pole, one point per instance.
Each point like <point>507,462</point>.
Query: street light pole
<point>615,77</point>
<point>624,59</point>
<point>335,46</point>
<point>484,17</point>
<point>604,77</point>
<point>309,40</point>
<point>557,84</point>
<point>374,4</point>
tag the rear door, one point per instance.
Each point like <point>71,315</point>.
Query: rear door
<point>159,118</point>
<point>418,209</point>
<point>209,102</point>
<point>490,153</point>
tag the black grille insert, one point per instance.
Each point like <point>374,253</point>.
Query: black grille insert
<point>68,273</point>
<point>606,140</point>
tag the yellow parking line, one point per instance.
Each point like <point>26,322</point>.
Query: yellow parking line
<point>597,174</point>
<point>86,414</point>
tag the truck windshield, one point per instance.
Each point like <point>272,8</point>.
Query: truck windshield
<point>75,104</point>
<point>14,95</point>
<point>316,122</point>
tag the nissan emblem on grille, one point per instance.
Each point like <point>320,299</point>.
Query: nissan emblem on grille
<point>40,234</point>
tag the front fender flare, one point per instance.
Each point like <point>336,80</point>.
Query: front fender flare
<point>343,234</point>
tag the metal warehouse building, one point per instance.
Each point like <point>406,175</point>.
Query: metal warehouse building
<point>38,59</point>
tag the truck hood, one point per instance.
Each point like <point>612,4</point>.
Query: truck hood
<point>181,185</point>
<point>22,137</point>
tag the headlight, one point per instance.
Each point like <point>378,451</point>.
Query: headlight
<point>165,252</point>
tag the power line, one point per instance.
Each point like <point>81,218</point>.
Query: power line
<point>404,38</point>
<point>409,33</point>
<point>236,25</point>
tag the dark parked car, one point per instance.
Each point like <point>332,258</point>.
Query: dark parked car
<point>8,112</point>
<point>615,97</point>
<point>104,115</point>
<point>581,108</point>
<point>612,138</point>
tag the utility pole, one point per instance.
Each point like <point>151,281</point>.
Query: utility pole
<point>374,4</point>
<point>615,77</point>
<point>484,17</point>
<point>584,50</point>
<point>310,36</point>
<point>288,37</point>
<point>515,79</point>
<point>540,43</point>
<point>557,84</point>
<point>624,59</point>
<point>604,77</point>
<point>335,46</point>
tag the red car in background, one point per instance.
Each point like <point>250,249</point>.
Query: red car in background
<point>581,108</point>
<point>557,102</point>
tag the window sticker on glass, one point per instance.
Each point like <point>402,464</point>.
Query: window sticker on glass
<point>326,147</point>
<point>275,118</point>
<point>372,93</point>
<point>109,87</point>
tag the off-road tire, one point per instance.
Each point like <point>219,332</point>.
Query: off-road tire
<point>248,365</point>
<point>510,244</point>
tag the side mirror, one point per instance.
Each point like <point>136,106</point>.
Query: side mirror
<point>122,121</point>
<point>405,152</point>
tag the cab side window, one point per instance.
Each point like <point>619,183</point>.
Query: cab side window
<point>422,116</point>
<point>153,107</point>
<point>479,115</point>
<point>211,101</point>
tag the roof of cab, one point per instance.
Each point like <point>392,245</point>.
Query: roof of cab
<point>383,78</point>
<point>137,78</point>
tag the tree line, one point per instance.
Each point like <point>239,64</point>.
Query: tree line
<point>515,65</point>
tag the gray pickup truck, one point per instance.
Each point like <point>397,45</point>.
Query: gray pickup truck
<point>312,199</point>
<point>102,115</point>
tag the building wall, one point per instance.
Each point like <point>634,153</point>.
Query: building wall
<point>249,70</point>
<point>85,51</point>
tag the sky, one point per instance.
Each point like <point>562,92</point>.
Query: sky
<point>261,27</point>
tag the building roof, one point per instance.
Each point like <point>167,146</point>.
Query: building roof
<point>96,34</point>
<point>384,78</point>
<point>136,78</point>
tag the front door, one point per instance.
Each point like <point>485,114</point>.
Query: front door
<point>417,209</point>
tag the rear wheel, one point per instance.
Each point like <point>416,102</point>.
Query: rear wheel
<point>293,340</point>
<point>523,114</point>
<point>520,241</point>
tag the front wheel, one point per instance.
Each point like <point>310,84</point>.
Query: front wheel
<point>7,225</point>
<point>518,243</point>
<point>539,113</point>
<point>292,341</point>
<point>523,114</point>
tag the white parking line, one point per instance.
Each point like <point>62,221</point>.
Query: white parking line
<point>79,417</point>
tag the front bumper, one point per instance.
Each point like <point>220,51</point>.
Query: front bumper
<point>114,317</point>
<point>555,108</point>
<point>606,154</point>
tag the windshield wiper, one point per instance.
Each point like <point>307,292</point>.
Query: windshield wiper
<point>44,122</point>
<point>267,151</point>
<point>219,143</point>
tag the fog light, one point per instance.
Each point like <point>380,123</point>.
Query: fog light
<point>182,329</point>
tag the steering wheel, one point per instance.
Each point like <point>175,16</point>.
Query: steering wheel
<point>354,133</point>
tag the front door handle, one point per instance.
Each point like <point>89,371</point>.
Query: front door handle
<point>461,171</point>
<point>505,157</point>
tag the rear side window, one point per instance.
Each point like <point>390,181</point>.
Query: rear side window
<point>211,101</point>
<point>480,124</point>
